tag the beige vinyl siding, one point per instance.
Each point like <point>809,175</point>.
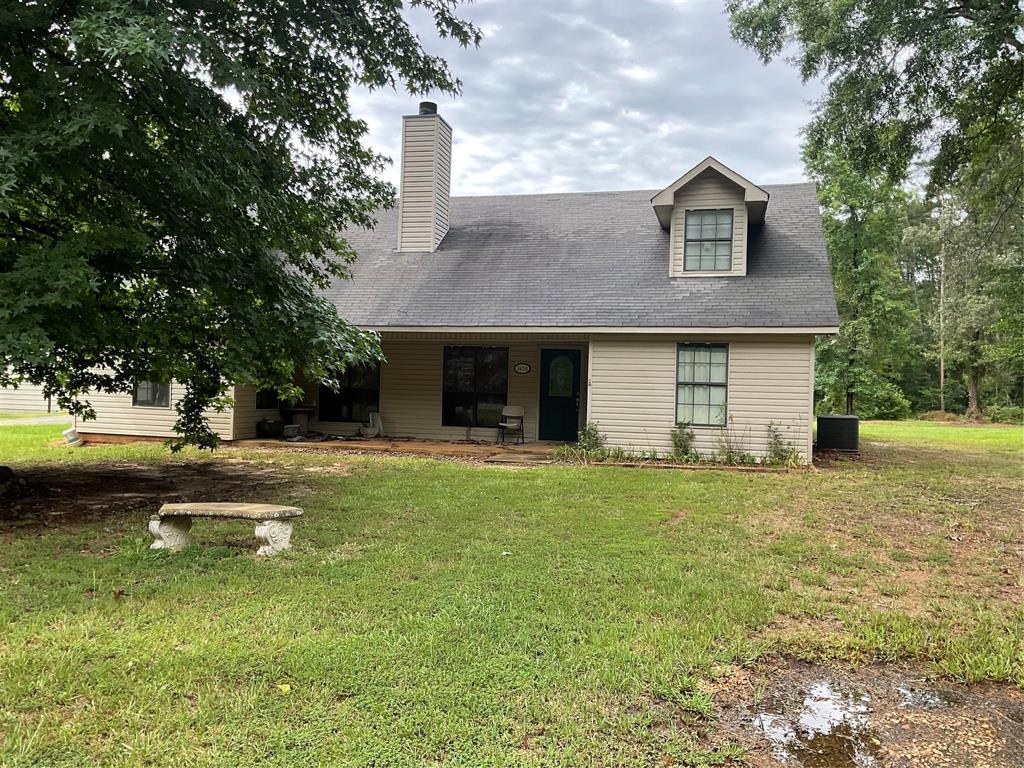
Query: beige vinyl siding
<point>26,397</point>
<point>245,414</point>
<point>426,168</point>
<point>442,181</point>
<point>709,191</point>
<point>632,391</point>
<point>115,415</point>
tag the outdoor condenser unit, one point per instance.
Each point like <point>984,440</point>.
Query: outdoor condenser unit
<point>838,433</point>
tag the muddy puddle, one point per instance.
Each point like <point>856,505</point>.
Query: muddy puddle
<point>809,716</point>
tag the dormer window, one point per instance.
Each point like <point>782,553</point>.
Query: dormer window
<point>708,212</point>
<point>708,241</point>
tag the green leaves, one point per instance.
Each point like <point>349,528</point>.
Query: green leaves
<point>173,182</point>
<point>905,81</point>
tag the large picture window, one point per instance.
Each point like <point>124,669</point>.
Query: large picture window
<point>702,384</point>
<point>151,394</point>
<point>475,386</point>
<point>708,241</point>
<point>358,395</point>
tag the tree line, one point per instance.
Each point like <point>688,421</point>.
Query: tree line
<point>916,146</point>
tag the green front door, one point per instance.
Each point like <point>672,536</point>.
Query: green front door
<point>559,394</point>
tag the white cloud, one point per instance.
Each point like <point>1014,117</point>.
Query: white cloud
<point>638,73</point>
<point>602,95</point>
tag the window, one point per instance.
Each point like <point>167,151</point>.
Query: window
<point>358,394</point>
<point>708,241</point>
<point>151,394</point>
<point>266,400</point>
<point>702,378</point>
<point>475,386</point>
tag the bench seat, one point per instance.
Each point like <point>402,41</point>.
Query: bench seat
<point>170,526</point>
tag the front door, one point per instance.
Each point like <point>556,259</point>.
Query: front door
<point>559,394</point>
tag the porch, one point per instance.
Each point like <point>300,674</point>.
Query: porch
<point>447,387</point>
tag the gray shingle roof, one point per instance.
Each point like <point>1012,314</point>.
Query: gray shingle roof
<point>587,259</point>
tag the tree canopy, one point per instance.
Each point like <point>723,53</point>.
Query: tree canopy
<point>174,177</point>
<point>939,81</point>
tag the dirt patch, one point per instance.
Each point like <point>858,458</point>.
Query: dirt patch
<point>790,713</point>
<point>59,495</point>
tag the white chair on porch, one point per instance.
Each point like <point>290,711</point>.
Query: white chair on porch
<point>512,418</point>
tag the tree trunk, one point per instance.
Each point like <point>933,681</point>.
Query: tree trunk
<point>849,402</point>
<point>942,327</point>
<point>974,394</point>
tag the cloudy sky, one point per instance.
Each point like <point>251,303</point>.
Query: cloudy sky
<point>579,95</point>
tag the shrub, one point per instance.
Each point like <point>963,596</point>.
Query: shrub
<point>1006,414</point>
<point>590,438</point>
<point>874,398</point>
<point>885,402</point>
<point>780,453</point>
<point>682,443</point>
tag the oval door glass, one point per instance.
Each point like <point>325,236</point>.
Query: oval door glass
<point>560,377</point>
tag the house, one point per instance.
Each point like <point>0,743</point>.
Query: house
<point>25,398</point>
<point>636,310</point>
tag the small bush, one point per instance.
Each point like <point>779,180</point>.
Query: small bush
<point>780,453</point>
<point>1005,414</point>
<point>590,438</point>
<point>886,402</point>
<point>682,443</point>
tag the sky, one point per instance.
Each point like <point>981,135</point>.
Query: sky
<point>585,95</point>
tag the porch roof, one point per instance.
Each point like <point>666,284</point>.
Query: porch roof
<point>587,260</point>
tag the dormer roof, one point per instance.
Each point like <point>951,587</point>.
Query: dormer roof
<point>755,197</point>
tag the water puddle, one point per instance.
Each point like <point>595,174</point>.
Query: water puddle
<point>912,697</point>
<point>878,716</point>
<point>830,729</point>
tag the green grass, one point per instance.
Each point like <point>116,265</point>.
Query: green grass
<point>443,613</point>
<point>1005,438</point>
<point>17,415</point>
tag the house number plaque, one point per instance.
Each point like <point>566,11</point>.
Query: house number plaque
<point>522,368</point>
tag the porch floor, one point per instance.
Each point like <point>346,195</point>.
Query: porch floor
<point>535,452</point>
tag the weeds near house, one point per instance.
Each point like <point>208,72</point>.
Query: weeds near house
<point>590,438</point>
<point>731,450</point>
<point>780,453</point>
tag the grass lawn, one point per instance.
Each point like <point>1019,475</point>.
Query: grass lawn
<point>442,613</point>
<point>13,415</point>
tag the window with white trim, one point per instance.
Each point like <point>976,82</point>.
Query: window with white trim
<point>702,384</point>
<point>708,246</point>
<point>151,394</point>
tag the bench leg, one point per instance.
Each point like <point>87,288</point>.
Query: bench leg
<point>273,536</point>
<point>170,533</point>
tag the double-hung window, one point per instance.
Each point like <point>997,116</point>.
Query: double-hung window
<point>708,241</point>
<point>151,394</point>
<point>702,384</point>
<point>357,395</point>
<point>475,386</point>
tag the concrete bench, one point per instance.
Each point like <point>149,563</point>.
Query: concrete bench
<point>171,525</point>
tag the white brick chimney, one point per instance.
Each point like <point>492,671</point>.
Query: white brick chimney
<point>426,180</point>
